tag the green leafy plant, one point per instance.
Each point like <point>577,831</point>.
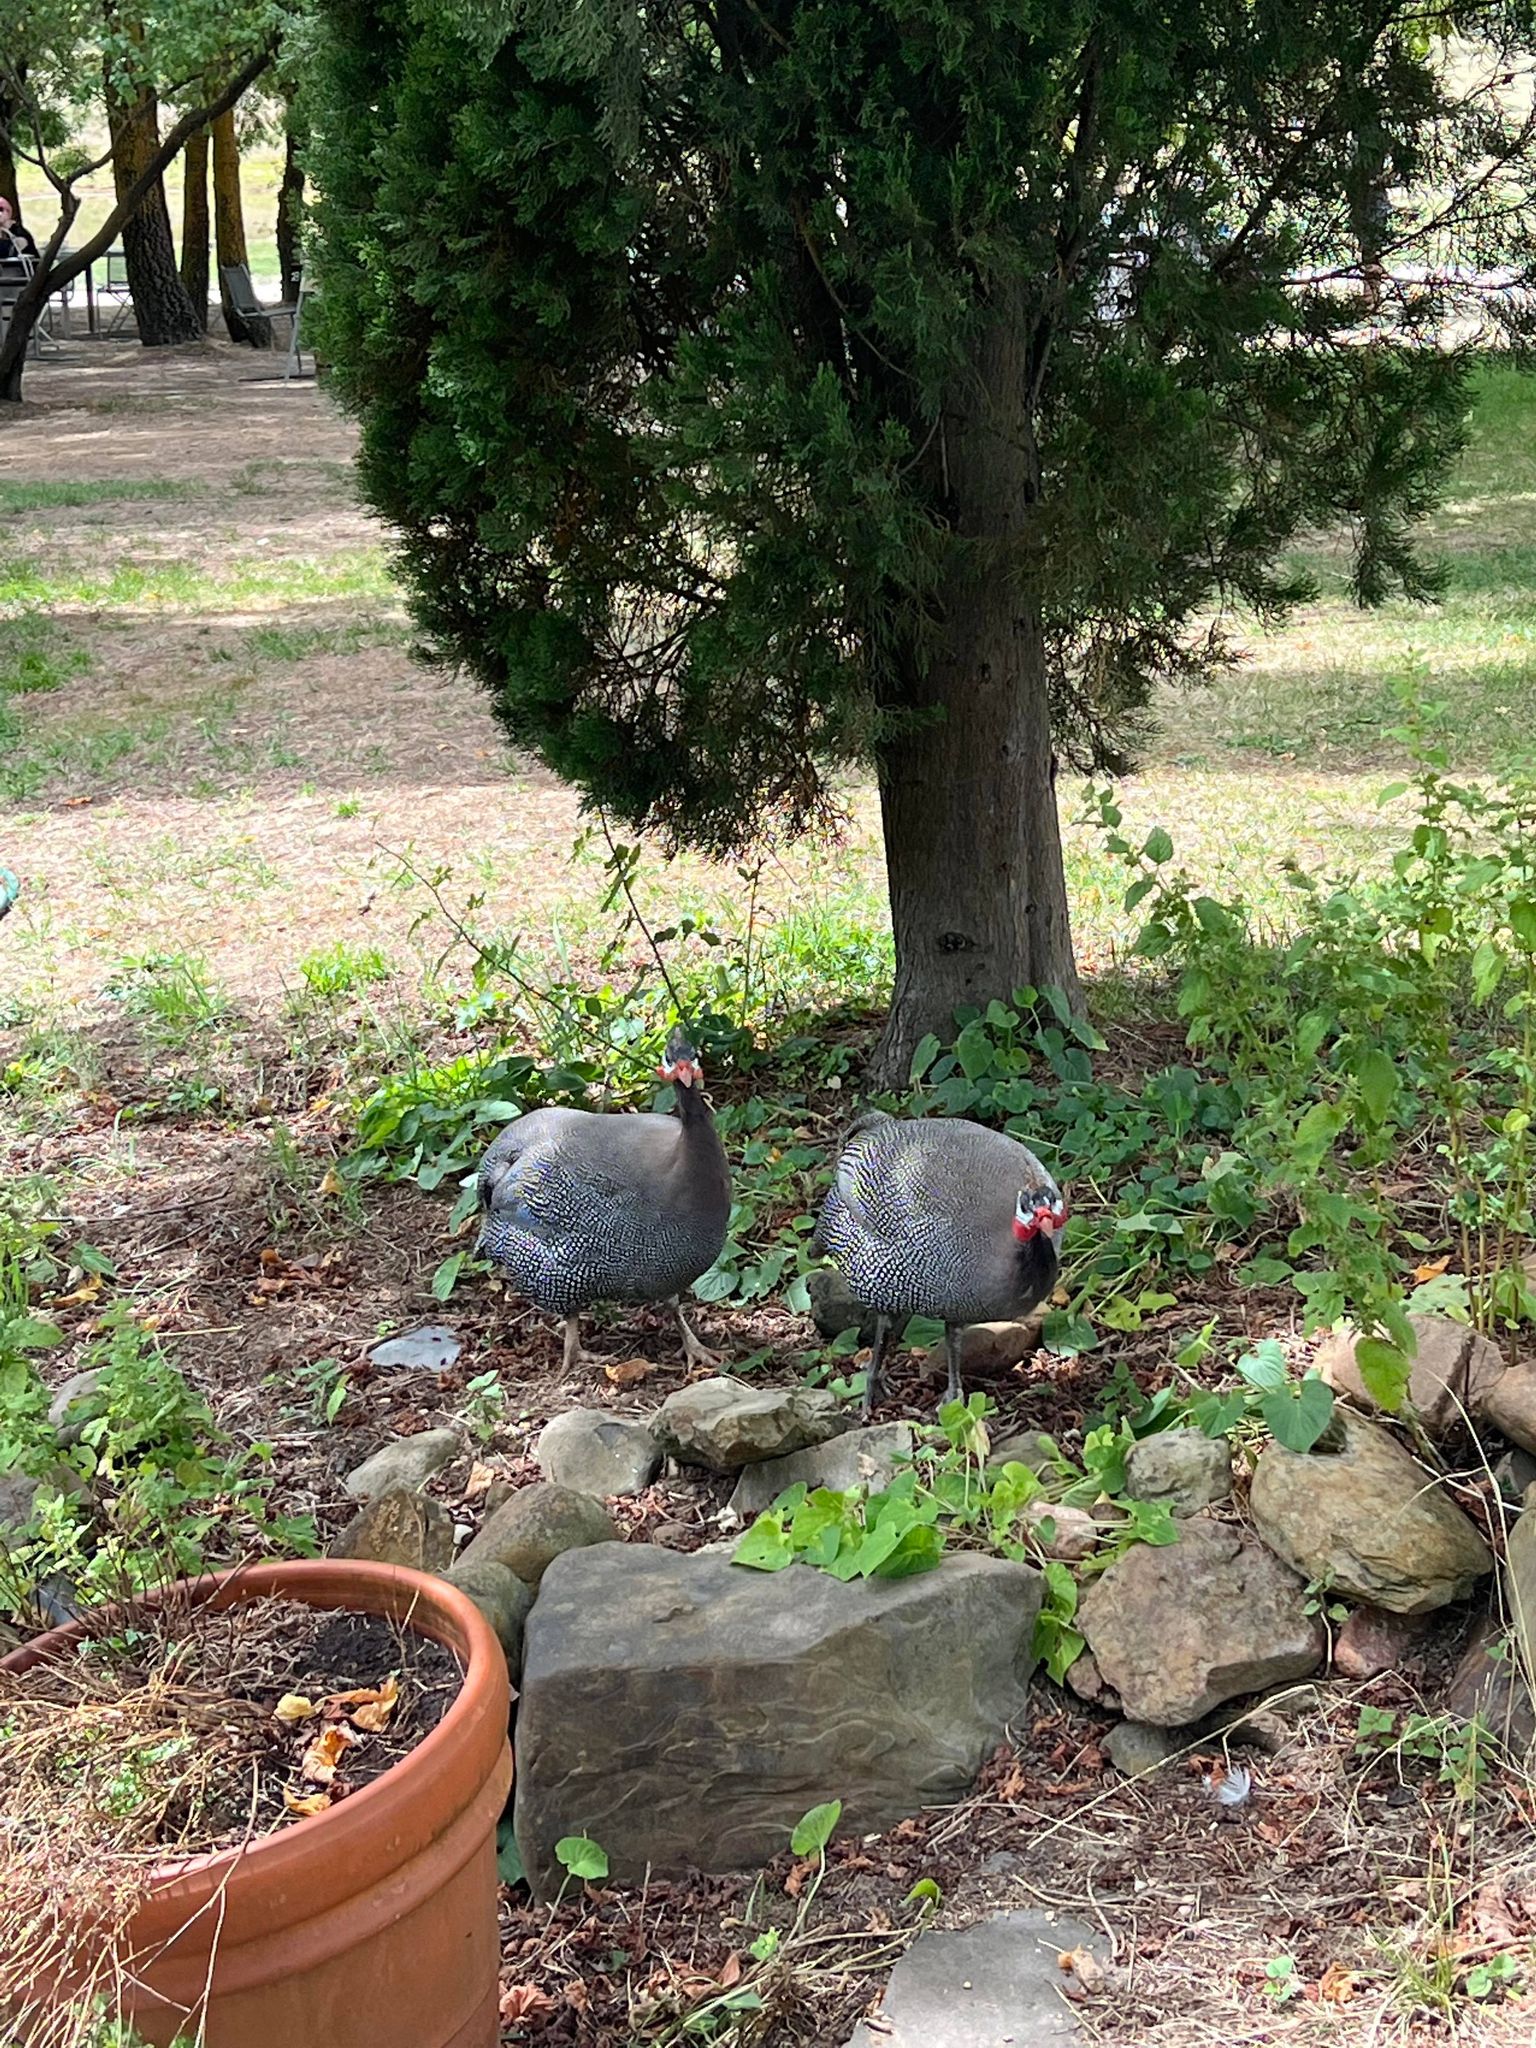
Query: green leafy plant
<point>581,1857</point>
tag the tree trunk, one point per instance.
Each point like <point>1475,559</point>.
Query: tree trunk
<point>7,161</point>
<point>161,308</point>
<point>229,229</point>
<point>194,223</point>
<point>968,789</point>
<point>290,214</point>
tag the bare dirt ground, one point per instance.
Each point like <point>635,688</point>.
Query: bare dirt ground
<point>240,765</point>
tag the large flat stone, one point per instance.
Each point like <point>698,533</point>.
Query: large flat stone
<point>408,1462</point>
<point>1453,1371</point>
<point>686,1711</point>
<point>397,1527</point>
<point>1177,1628</point>
<point>1368,1522</point>
<point>590,1451</point>
<point>858,1457</point>
<point>995,1985</point>
<point>539,1523</point>
<point>723,1424</point>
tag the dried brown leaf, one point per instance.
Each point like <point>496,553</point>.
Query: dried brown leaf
<point>295,1706</point>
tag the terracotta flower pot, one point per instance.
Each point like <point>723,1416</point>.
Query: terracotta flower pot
<point>372,1925</point>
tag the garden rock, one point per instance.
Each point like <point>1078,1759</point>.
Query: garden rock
<point>988,1350</point>
<point>1133,1747</point>
<point>1488,1686</point>
<point>1515,1475</point>
<point>857,1457</point>
<point>1031,1447</point>
<point>1453,1370</point>
<point>1086,1679</point>
<point>1372,1641</point>
<point>538,1524</point>
<point>407,1463</point>
<point>1183,1468</point>
<point>1510,1405</point>
<point>686,1712</point>
<point>723,1424</point>
<point>591,1451</point>
<point>501,1597</point>
<point>833,1308</point>
<point>432,1348</point>
<point>18,1497</point>
<point>1177,1628</point>
<point>19,1493</point>
<point>1368,1522</point>
<point>1068,1533</point>
<point>79,1387</point>
<point>972,1987</point>
<point>400,1528</point>
<point>1520,1584</point>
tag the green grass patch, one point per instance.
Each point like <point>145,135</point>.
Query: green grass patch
<point>36,655</point>
<point>20,496</point>
<point>181,586</point>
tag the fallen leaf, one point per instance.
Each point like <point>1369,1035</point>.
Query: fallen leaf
<point>295,1706</point>
<point>1433,1270</point>
<point>331,1182</point>
<point>524,2002</point>
<point>373,1716</point>
<point>629,1372</point>
<point>479,1481</point>
<point>305,1803</point>
<point>324,1754</point>
<point>730,1970</point>
<point>88,1290</point>
<point>365,1695</point>
<point>1336,1986</point>
<point>1085,1966</point>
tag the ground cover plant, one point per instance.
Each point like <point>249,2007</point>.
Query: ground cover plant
<point>283,960</point>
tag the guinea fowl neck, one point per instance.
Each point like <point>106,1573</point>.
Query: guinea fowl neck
<point>1037,1267</point>
<point>702,1156</point>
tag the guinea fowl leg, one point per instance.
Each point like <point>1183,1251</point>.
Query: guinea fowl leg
<point>872,1388</point>
<point>572,1342</point>
<point>694,1349</point>
<point>952,1358</point>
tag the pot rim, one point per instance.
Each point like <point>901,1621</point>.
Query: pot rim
<point>413,1598</point>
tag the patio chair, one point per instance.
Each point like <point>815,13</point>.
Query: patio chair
<point>236,280</point>
<point>115,285</point>
<point>14,272</point>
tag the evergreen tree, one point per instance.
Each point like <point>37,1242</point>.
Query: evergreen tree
<point>762,387</point>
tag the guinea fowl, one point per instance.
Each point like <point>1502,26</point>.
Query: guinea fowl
<point>940,1217</point>
<point>579,1206</point>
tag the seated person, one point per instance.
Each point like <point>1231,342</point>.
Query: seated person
<point>15,240</point>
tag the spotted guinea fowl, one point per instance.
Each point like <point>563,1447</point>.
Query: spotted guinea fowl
<point>579,1207</point>
<point>940,1217</point>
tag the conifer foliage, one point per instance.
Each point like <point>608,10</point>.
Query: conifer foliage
<point>761,387</point>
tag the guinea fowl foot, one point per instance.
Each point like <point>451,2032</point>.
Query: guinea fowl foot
<point>695,1350</point>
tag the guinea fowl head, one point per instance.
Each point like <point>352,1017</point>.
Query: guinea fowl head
<point>680,1064</point>
<point>1040,1211</point>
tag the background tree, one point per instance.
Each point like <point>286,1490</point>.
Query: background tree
<point>50,71</point>
<point>760,387</point>
<point>194,222</point>
<point>229,228</point>
<point>290,204</point>
<point>162,311</point>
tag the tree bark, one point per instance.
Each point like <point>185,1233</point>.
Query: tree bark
<point>163,312</point>
<point>194,223</point>
<point>7,160</point>
<point>968,787</point>
<point>290,205</point>
<point>229,229</point>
